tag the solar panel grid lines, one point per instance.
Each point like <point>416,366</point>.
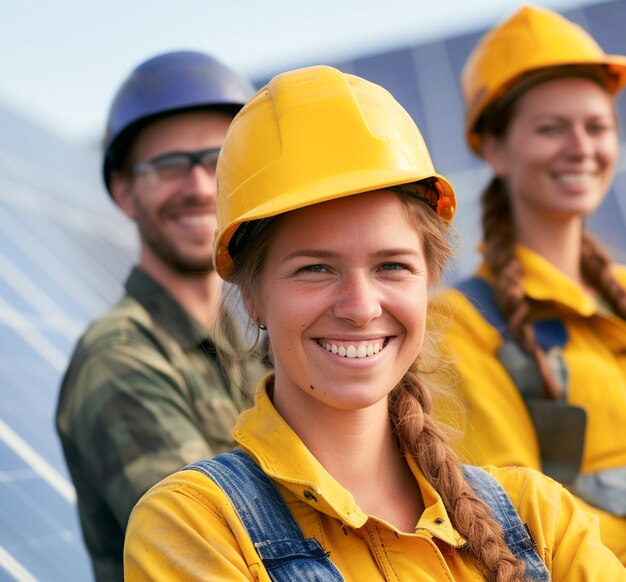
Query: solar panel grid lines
<point>52,265</point>
<point>34,294</point>
<point>33,337</point>
<point>59,184</point>
<point>36,531</point>
<point>13,568</point>
<point>103,220</point>
<point>38,464</point>
<point>61,265</point>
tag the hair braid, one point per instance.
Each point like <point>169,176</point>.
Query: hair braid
<point>410,405</point>
<point>508,274</point>
<point>596,269</point>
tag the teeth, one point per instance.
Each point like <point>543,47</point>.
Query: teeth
<point>351,351</point>
<point>200,220</point>
<point>573,179</point>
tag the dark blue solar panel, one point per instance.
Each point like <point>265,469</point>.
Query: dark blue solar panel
<point>439,88</point>
<point>458,49</point>
<point>396,72</point>
<point>606,23</point>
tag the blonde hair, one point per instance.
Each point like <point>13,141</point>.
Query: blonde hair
<point>410,407</point>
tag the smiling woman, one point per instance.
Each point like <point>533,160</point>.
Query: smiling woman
<point>540,333</point>
<point>323,286</point>
<point>333,226</point>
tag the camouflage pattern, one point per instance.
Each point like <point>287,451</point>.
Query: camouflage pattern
<point>143,396</point>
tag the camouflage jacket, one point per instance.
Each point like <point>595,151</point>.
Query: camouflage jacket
<point>143,396</point>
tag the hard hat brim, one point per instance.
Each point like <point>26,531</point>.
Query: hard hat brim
<point>325,190</point>
<point>615,66</point>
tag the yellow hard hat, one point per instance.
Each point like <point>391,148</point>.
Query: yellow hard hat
<point>533,39</point>
<point>312,135</point>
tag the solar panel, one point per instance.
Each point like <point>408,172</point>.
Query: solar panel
<point>63,252</point>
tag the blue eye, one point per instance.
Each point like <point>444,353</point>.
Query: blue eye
<point>392,267</point>
<point>314,268</point>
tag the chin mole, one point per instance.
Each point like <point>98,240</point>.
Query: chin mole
<point>311,387</point>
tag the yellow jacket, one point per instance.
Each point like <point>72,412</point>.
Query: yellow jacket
<point>499,430</point>
<point>185,528</point>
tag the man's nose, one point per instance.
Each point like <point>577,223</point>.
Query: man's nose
<point>202,180</point>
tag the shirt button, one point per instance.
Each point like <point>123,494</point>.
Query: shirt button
<point>308,495</point>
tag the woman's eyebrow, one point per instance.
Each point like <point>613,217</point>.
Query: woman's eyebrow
<point>329,254</point>
<point>314,253</point>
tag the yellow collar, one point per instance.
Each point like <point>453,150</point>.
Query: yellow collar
<point>278,450</point>
<point>544,282</point>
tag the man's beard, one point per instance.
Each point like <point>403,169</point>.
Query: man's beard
<point>162,247</point>
<point>179,262</point>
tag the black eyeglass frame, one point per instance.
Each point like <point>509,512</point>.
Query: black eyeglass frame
<point>194,159</point>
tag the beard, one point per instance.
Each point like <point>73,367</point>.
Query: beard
<point>166,249</point>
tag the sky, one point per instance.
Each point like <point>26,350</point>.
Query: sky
<point>61,61</point>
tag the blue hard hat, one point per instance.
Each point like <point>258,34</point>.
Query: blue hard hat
<point>168,83</point>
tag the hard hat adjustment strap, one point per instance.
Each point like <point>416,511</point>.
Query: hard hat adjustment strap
<point>423,190</point>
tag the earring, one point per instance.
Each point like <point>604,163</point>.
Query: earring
<point>260,325</point>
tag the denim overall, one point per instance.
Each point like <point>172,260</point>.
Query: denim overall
<point>287,555</point>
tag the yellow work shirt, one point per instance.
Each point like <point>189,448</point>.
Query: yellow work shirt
<point>498,429</point>
<point>185,527</point>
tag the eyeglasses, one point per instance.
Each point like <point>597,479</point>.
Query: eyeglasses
<point>177,165</point>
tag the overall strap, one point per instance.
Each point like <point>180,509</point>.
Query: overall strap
<point>550,333</point>
<point>286,554</point>
<point>516,533</point>
<point>559,425</point>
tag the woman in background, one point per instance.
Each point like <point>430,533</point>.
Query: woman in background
<point>539,335</point>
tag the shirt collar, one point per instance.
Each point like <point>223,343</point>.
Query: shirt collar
<point>261,427</point>
<point>166,311</point>
<point>544,282</point>
<point>435,519</point>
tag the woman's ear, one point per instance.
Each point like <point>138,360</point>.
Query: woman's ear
<point>494,152</point>
<point>249,305</point>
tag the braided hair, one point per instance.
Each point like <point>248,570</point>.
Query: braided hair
<point>410,407</point>
<point>499,239</point>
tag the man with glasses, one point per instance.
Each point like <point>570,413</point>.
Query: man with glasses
<point>144,393</point>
